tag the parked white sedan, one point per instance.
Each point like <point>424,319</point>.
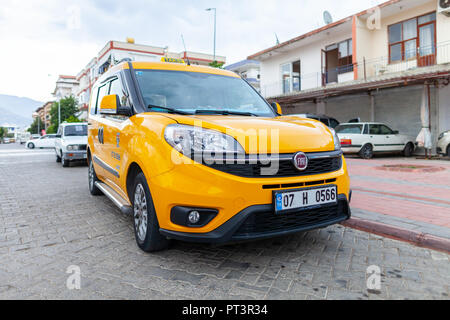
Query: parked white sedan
<point>366,138</point>
<point>47,141</point>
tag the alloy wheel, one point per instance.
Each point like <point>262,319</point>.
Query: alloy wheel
<point>140,212</point>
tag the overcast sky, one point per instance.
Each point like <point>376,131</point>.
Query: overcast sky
<point>40,39</point>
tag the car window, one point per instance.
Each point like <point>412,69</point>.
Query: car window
<point>375,129</point>
<point>324,121</point>
<point>196,91</point>
<point>116,88</point>
<point>75,130</point>
<point>93,103</point>
<point>350,129</point>
<point>366,129</point>
<point>385,130</point>
<point>102,91</point>
<point>334,123</point>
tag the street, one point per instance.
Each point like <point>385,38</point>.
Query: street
<point>49,222</point>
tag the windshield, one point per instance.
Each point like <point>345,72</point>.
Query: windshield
<point>76,130</point>
<point>350,129</point>
<point>194,92</point>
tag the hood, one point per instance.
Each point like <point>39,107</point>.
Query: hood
<point>285,134</point>
<point>75,140</point>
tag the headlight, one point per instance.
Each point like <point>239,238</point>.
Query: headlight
<point>73,147</point>
<point>443,134</point>
<point>337,141</point>
<point>191,140</point>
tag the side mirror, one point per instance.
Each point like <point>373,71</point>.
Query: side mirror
<point>277,108</point>
<point>110,105</point>
<point>396,132</point>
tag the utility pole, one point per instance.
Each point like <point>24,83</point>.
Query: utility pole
<point>210,9</point>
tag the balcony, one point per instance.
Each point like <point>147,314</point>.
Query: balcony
<point>423,61</point>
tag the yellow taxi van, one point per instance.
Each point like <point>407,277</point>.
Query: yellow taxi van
<point>196,154</point>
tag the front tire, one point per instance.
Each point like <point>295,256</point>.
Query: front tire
<point>448,151</point>
<point>30,145</point>
<point>366,152</point>
<point>58,158</point>
<point>145,221</point>
<point>92,179</point>
<point>65,162</point>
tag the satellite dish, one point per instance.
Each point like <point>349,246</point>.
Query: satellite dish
<point>327,18</point>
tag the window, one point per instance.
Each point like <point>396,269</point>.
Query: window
<point>366,129</point>
<point>404,37</point>
<point>102,91</point>
<point>93,104</point>
<point>116,88</point>
<point>290,77</point>
<point>194,91</point>
<point>350,129</point>
<point>345,56</point>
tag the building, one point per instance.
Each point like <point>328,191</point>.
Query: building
<point>247,69</point>
<point>44,114</point>
<point>373,65</point>
<point>115,51</point>
<point>65,87</point>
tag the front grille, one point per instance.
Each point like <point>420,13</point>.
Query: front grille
<point>286,168</point>
<point>261,223</point>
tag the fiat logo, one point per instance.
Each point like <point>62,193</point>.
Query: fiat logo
<point>300,161</point>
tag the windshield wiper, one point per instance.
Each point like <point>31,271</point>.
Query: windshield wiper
<point>170,110</point>
<point>226,112</point>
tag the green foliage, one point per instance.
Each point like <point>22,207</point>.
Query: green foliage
<point>216,64</point>
<point>34,126</point>
<point>68,108</point>
<point>52,129</point>
<point>3,133</point>
<point>73,119</point>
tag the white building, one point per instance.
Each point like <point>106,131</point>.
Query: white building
<point>115,51</point>
<point>65,87</point>
<point>249,70</point>
<point>371,65</point>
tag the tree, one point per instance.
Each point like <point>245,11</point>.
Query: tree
<point>3,133</point>
<point>68,108</point>
<point>33,129</point>
<point>216,64</point>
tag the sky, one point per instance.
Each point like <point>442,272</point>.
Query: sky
<point>41,39</point>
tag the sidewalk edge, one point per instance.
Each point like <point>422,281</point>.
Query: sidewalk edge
<point>417,238</point>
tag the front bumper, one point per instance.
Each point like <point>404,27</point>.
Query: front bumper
<point>75,155</point>
<point>198,186</point>
<point>260,222</point>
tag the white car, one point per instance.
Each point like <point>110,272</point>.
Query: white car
<point>47,141</point>
<point>71,143</point>
<point>366,138</point>
<point>443,146</point>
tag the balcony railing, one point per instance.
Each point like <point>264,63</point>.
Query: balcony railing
<point>367,69</point>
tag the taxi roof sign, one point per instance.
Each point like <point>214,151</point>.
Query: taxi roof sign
<point>172,60</point>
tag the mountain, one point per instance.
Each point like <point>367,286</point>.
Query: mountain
<point>17,110</point>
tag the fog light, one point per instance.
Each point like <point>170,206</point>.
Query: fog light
<point>194,217</point>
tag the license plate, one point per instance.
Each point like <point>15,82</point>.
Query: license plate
<point>303,198</point>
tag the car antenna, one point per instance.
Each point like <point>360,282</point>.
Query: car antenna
<point>185,51</point>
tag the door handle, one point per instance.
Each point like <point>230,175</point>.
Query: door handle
<point>100,135</point>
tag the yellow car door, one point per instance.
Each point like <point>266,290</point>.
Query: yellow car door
<point>113,146</point>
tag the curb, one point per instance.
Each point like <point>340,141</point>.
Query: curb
<point>417,238</point>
